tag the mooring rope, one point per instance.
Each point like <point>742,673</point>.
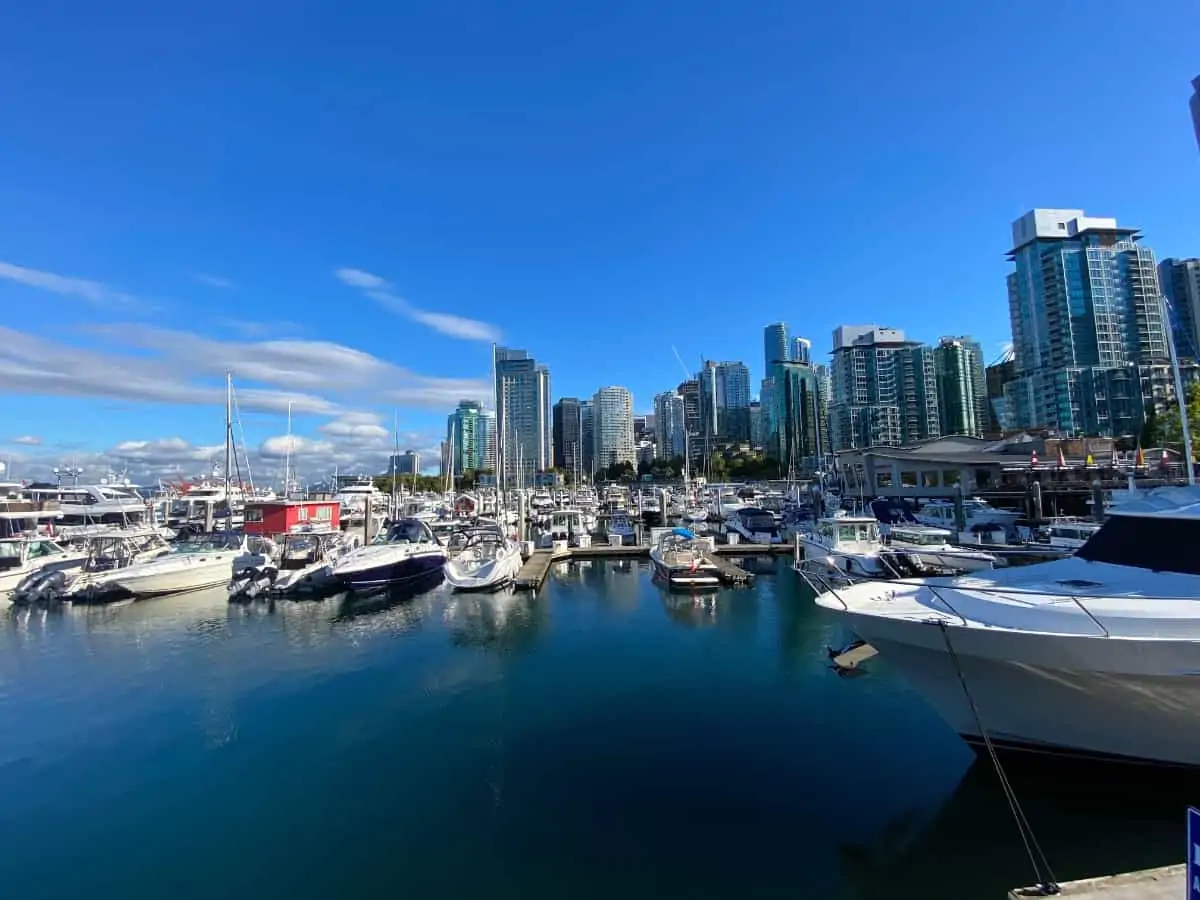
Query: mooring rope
<point>1046,886</point>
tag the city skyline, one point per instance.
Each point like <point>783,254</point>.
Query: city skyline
<point>353,260</point>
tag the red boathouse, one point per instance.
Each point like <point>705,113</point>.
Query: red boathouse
<point>272,517</point>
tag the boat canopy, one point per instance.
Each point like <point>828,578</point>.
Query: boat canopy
<point>683,533</point>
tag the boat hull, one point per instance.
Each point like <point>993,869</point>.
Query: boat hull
<point>1051,693</point>
<point>962,562</point>
<point>155,582</point>
<point>394,572</point>
<point>685,578</point>
<point>858,565</point>
<point>489,577</point>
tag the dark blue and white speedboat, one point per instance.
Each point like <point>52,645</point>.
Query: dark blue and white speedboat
<point>407,551</point>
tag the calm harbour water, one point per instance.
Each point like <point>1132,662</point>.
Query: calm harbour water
<point>603,739</point>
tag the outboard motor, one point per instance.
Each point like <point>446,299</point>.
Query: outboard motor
<point>40,588</point>
<point>251,582</point>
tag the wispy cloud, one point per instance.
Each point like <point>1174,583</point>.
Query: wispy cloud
<point>213,281</point>
<point>146,364</point>
<point>378,289</point>
<point>28,440</point>
<point>85,289</point>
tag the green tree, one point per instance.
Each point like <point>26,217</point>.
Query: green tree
<point>1168,425</point>
<point>716,466</point>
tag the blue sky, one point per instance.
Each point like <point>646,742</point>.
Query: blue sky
<point>182,182</point>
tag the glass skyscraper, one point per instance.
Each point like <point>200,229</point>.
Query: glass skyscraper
<point>612,427</point>
<point>961,386</point>
<point>884,389</point>
<point>567,434</point>
<point>523,417</point>
<point>775,345</point>
<point>468,431</point>
<point>1089,337</point>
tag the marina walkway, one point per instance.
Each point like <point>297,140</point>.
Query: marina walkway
<point>1166,883</point>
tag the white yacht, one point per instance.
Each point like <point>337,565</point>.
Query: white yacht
<point>755,525</point>
<point>1096,654</point>
<point>106,552</point>
<point>978,513</point>
<point>933,548</point>
<point>1071,534</point>
<point>206,561</point>
<point>567,525</point>
<point>682,562</point>
<point>407,552</point>
<point>99,504</point>
<point>725,503</point>
<point>487,562</point>
<point>850,544</point>
<point>21,557</point>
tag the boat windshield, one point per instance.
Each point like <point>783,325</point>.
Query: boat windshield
<point>204,543</point>
<point>408,531</point>
<point>924,538</point>
<point>857,531</point>
<point>1147,542</point>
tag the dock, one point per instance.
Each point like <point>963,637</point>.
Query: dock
<point>730,573</point>
<point>1166,883</point>
<point>536,568</point>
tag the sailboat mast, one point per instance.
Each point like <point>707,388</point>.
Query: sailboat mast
<point>228,445</point>
<point>287,456</point>
<point>1180,396</point>
<point>395,453</point>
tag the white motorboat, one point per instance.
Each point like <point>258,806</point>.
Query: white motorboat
<point>566,525</point>
<point>21,557</point>
<point>1070,534</point>
<point>406,552</point>
<point>305,563</point>
<point>726,503</point>
<point>487,562</point>
<point>680,560</point>
<point>695,515</point>
<point>933,548</point>
<point>850,544</point>
<point>1094,655</point>
<point>105,553</point>
<point>978,514</point>
<point>756,525</point>
<point>206,561</point>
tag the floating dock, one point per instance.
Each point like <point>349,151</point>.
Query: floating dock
<point>1167,883</point>
<point>536,568</point>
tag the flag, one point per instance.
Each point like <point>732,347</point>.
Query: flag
<point>1088,462</point>
<point>1033,459</point>
<point>1062,460</point>
<point>1140,459</point>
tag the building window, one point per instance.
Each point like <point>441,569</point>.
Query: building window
<point>949,477</point>
<point>929,479</point>
<point>302,514</point>
<point>253,514</point>
<point>324,513</point>
<point>908,479</point>
<point>883,479</point>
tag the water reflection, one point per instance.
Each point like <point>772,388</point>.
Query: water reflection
<point>505,621</point>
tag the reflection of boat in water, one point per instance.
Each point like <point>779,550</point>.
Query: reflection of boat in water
<point>503,619</point>
<point>694,610</point>
<point>354,604</point>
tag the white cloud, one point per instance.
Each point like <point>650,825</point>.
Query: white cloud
<point>364,427</point>
<point>213,281</point>
<point>27,440</point>
<point>278,447</point>
<point>381,292</point>
<point>90,291</point>
<point>178,367</point>
<point>359,279</point>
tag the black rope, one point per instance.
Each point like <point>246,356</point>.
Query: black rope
<point>1046,886</point>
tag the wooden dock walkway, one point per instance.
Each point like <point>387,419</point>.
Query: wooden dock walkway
<point>730,573</point>
<point>536,568</point>
<point>534,571</point>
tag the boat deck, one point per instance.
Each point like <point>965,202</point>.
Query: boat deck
<point>1167,883</point>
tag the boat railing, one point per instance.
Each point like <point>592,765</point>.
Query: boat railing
<point>1008,592</point>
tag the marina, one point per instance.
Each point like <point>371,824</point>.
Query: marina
<point>603,717</point>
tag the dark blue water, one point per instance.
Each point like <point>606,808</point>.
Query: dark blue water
<point>604,739</point>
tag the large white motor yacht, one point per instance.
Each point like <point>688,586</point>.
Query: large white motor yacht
<point>1097,654</point>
